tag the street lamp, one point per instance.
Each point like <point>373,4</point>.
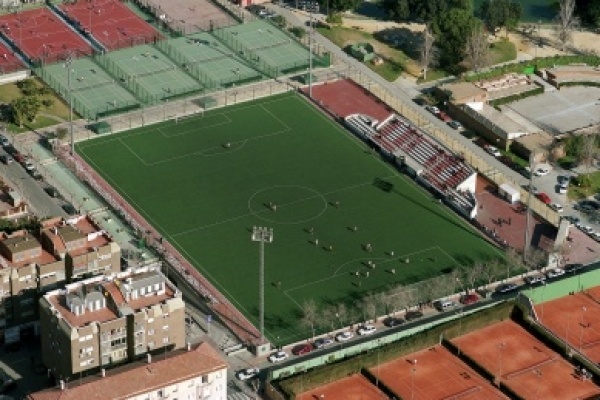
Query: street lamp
<point>262,235</point>
<point>68,63</point>
<point>310,40</point>
<point>412,379</point>
<point>582,325</point>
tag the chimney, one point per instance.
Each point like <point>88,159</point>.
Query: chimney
<point>149,357</point>
<point>62,384</point>
<point>189,346</point>
<point>103,372</point>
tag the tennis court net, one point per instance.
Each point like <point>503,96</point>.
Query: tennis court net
<point>93,85</point>
<point>154,72</point>
<point>271,45</point>
<point>529,369</point>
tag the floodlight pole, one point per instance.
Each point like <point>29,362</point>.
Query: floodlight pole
<point>528,212</point>
<point>310,45</point>
<point>68,63</point>
<point>262,235</point>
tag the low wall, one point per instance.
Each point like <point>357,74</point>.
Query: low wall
<point>15,76</point>
<point>563,287</point>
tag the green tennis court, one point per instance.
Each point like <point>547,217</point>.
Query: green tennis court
<point>264,44</point>
<point>149,74</point>
<point>95,93</point>
<point>339,233</point>
<point>208,60</point>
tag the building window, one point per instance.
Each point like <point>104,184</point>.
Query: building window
<point>166,340</point>
<point>204,378</point>
<point>150,332</point>
<point>166,328</point>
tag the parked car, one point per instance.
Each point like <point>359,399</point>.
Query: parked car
<point>20,158</point>
<point>322,342</point>
<point>35,174</point>
<point>278,356</point>
<point>4,141</point>
<point>573,268</point>
<point>412,315</point>
<point>534,190</point>
<point>367,329</point>
<point>563,179</point>
<point>544,198</point>
<point>390,322</point>
<point>562,188</point>
<point>433,109</point>
<point>596,236</point>
<point>344,336</point>
<point>303,348</point>
<point>443,305</point>
<point>588,230</point>
<point>69,209</point>
<point>541,171</point>
<point>555,273</point>
<point>28,165</point>
<point>492,150</point>
<point>534,279</point>
<point>506,287</point>
<point>470,298</point>
<point>51,190</point>
<point>6,159</point>
<point>455,125</point>
<point>247,373</point>
<point>444,117</point>
<point>556,207</point>
<point>587,206</point>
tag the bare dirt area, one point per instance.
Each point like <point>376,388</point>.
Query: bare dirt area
<point>526,42</point>
<point>372,26</point>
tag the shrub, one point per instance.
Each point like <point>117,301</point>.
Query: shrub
<point>297,31</point>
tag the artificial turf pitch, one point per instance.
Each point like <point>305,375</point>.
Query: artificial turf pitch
<point>206,181</point>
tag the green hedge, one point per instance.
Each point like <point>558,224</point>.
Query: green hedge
<point>329,373</point>
<point>579,83</point>
<point>518,96</point>
<point>538,62</point>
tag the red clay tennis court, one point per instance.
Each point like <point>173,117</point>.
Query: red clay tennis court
<point>9,62</point>
<point>525,364</point>
<point>41,35</point>
<point>576,320</point>
<point>111,22</point>
<point>434,374</point>
<point>354,387</point>
<point>344,97</point>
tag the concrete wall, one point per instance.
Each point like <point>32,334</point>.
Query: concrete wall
<point>14,76</point>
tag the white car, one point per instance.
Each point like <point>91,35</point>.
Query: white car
<point>596,236</point>
<point>28,165</point>
<point>492,150</point>
<point>366,330</point>
<point>556,207</point>
<point>555,273</point>
<point>278,356</point>
<point>433,109</point>
<point>248,373</point>
<point>535,279</point>
<point>344,336</point>
<point>542,171</point>
<point>563,188</point>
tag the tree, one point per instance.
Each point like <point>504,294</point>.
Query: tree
<point>471,275</point>
<point>25,109</point>
<point>589,150</point>
<point>398,10</point>
<point>369,307</point>
<point>310,315</point>
<point>400,298</point>
<point>536,258</point>
<point>498,13</point>
<point>428,51</point>
<point>477,49</point>
<point>451,31</point>
<point>567,22</point>
<point>491,270</point>
<point>385,301</point>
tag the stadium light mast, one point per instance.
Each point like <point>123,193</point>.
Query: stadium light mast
<point>68,63</point>
<point>310,55</point>
<point>262,235</point>
<point>528,212</point>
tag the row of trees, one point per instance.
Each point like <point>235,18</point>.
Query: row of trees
<point>335,316</point>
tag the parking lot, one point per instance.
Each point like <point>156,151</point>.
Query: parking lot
<point>564,110</point>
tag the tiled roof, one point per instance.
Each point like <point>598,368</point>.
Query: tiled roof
<point>140,377</point>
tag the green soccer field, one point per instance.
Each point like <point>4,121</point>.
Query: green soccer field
<point>206,181</point>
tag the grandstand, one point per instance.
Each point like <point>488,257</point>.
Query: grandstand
<point>432,165</point>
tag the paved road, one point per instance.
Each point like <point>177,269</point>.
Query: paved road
<point>40,203</point>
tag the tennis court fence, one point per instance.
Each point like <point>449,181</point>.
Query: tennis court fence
<point>154,72</point>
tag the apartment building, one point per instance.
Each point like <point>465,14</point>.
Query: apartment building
<point>108,320</point>
<point>25,269</point>
<point>192,373</point>
<point>86,249</point>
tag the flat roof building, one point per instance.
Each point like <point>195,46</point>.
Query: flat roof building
<point>108,320</point>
